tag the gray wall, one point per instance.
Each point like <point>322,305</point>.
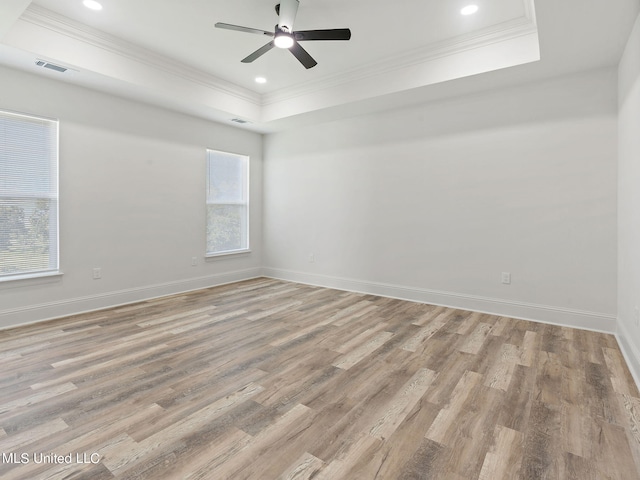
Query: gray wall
<point>132,200</point>
<point>629,200</point>
<point>433,202</point>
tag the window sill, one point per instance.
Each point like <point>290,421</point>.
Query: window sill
<point>30,276</point>
<point>227,254</point>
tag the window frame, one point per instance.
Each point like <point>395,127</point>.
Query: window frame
<point>53,268</point>
<point>246,163</point>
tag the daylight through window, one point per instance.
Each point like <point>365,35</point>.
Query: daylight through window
<point>28,196</point>
<point>227,203</point>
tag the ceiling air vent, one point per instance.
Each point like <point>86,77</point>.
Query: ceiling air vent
<point>51,66</point>
<point>239,120</point>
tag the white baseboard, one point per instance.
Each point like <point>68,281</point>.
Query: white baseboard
<point>61,308</point>
<point>565,317</point>
<point>538,313</point>
<point>599,322</point>
<point>629,351</point>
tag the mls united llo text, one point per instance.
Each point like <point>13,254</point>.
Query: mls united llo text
<point>52,458</point>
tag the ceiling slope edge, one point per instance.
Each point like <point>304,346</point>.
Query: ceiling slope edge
<point>483,38</point>
<point>78,31</point>
<point>517,46</point>
<point>103,61</point>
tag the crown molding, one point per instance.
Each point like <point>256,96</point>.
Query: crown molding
<point>422,56</point>
<point>482,38</point>
<point>530,10</point>
<point>44,18</point>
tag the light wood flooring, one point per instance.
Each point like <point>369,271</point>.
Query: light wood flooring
<point>267,379</point>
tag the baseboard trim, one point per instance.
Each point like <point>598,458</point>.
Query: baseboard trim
<point>629,351</point>
<point>47,311</point>
<point>599,322</point>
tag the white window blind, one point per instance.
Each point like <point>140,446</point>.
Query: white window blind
<point>227,203</point>
<point>28,195</point>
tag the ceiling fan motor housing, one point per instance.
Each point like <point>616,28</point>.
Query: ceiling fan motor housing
<point>287,10</point>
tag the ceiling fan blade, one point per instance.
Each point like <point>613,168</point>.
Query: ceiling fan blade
<point>287,14</point>
<point>258,53</point>
<point>303,56</point>
<point>331,34</point>
<point>228,26</point>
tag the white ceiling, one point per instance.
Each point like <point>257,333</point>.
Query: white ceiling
<point>185,31</point>
<point>170,54</point>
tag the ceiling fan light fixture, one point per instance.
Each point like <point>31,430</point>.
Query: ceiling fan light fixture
<point>283,40</point>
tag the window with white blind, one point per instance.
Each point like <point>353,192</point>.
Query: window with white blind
<point>227,203</point>
<point>28,196</point>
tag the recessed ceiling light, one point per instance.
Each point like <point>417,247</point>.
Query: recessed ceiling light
<point>261,80</point>
<point>469,10</point>
<point>92,4</point>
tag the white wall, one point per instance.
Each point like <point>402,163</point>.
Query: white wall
<point>433,202</point>
<point>132,193</point>
<point>629,200</point>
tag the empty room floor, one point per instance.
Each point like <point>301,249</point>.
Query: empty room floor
<point>266,379</point>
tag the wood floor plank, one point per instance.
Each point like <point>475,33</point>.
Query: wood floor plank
<point>618,373</point>
<point>401,446</point>
<point>429,313</point>
<point>264,444</point>
<point>361,338</point>
<point>131,451</point>
<point>599,397</point>
<point>425,333</point>
<point>631,408</point>
<point>575,467</point>
<point>504,458</point>
<point>200,465</point>
<point>444,424</point>
<point>549,387</point>
<point>500,374</point>
<point>468,322</point>
<point>402,403</point>
<point>341,467</point>
<point>265,379</point>
<point>528,349</point>
<point>476,339</point>
<point>500,326</point>
<point>356,310</point>
<point>577,431</point>
<point>612,441</point>
<point>363,350</point>
<point>18,442</point>
<point>304,468</point>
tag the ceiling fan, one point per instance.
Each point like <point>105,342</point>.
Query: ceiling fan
<point>285,37</point>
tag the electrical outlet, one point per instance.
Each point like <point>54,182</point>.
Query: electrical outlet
<point>312,258</point>
<point>636,316</point>
<point>97,273</point>
<point>194,261</point>
<point>506,278</point>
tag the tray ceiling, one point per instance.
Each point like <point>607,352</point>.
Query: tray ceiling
<point>170,54</point>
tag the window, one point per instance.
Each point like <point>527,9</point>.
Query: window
<point>227,203</point>
<point>28,196</point>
